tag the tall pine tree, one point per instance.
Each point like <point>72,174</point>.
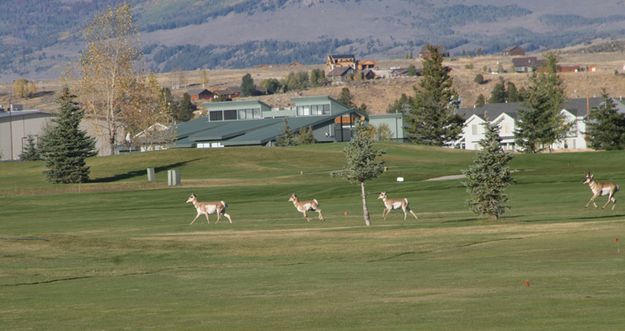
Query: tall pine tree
<point>432,119</point>
<point>498,94</point>
<point>488,177</point>
<point>65,146</point>
<point>605,128</point>
<point>539,122</point>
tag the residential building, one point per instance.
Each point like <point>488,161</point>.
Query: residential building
<point>394,121</point>
<point>514,51</point>
<point>526,64</point>
<point>201,94</point>
<point>574,112</point>
<point>341,60</point>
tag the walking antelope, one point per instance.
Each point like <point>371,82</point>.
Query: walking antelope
<point>390,204</point>
<point>305,206</point>
<point>208,208</point>
<point>600,189</point>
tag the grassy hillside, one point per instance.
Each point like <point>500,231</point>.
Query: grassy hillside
<point>119,252</point>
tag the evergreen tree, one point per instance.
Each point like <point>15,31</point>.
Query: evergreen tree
<point>287,138</point>
<point>346,98</point>
<point>481,100</point>
<point>401,105</point>
<point>488,177</point>
<point>247,85</point>
<point>498,94</point>
<point>512,93</point>
<point>606,126</point>
<point>363,163</point>
<point>479,79</point>
<point>183,109</point>
<point>305,136</point>
<point>31,150</point>
<point>64,146</point>
<point>432,119</point>
<point>539,122</point>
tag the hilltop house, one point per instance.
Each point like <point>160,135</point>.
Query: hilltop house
<point>526,64</point>
<point>201,94</point>
<point>514,51</point>
<point>341,60</point>
<point>505,115</point>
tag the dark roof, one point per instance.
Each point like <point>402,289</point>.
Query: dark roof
<point>338,71</point>
<point>491,111</point>
<point>247,132</point>
<point>578,106</point>
<point>342,56</point>
<point>530,61</point>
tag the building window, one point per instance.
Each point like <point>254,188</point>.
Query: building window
<point>216,115</point>
<point>230,115</point>
<point>474,129</point>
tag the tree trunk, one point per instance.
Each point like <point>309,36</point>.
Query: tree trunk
<point>365,211</point>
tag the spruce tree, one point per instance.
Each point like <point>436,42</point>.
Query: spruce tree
<point>346,98</point>
<point>31,150</point>
<point>432,119</point>
<point>287,138</point>
<point>498,94</point>
<point>488,177</point>
<point>480,101</point>
<point>305,136</point>
<point>247,85</point>
<point>605,128</point>
<point>65,146</point>
<point>512,93</point>
<point>539,122</point>
<point>363,163</point>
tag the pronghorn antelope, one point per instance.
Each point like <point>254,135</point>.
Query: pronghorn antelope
<point>390,204</point>
<point>207,208</point>
<point>305,206</point>
<point>600,189</point>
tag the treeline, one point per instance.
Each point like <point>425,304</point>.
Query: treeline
<point>249,54</point>
<point>567,21</point>
<point>463,14</point>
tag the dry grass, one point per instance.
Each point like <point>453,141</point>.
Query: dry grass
<point>378,94</point>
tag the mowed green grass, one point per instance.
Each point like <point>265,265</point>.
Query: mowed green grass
<point>119,253</point>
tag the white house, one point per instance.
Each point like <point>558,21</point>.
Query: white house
<point>504,114</point>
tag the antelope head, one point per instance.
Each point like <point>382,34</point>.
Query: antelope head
<point>293,197</point>
<point>589,178</point>
<point>191,198</point>
<point>382,196</point>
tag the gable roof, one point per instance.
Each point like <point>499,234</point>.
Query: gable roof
<point>338,72</point>
<point>529,61</point>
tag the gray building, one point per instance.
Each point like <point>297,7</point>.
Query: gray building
<point>15,126</point>
<point>394,122</point>
<point>248,123</point>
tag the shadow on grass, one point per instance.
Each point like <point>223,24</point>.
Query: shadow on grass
<point>139,172</point>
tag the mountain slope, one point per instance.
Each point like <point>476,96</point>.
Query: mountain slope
<point>37,38</point>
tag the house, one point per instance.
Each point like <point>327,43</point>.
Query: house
<point>341,60</point>
<point>253,122</point>
<point>340,74</point>
<point>16,126</point>
<point>201,94</point>
<point>156,137</point>
<point>514,51</point>
<point>526,64</point>
<point>229,93</point>
<point>368,74</point>
<point>366,64</point>
<point>574,112</point>
<point>570,68</point>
